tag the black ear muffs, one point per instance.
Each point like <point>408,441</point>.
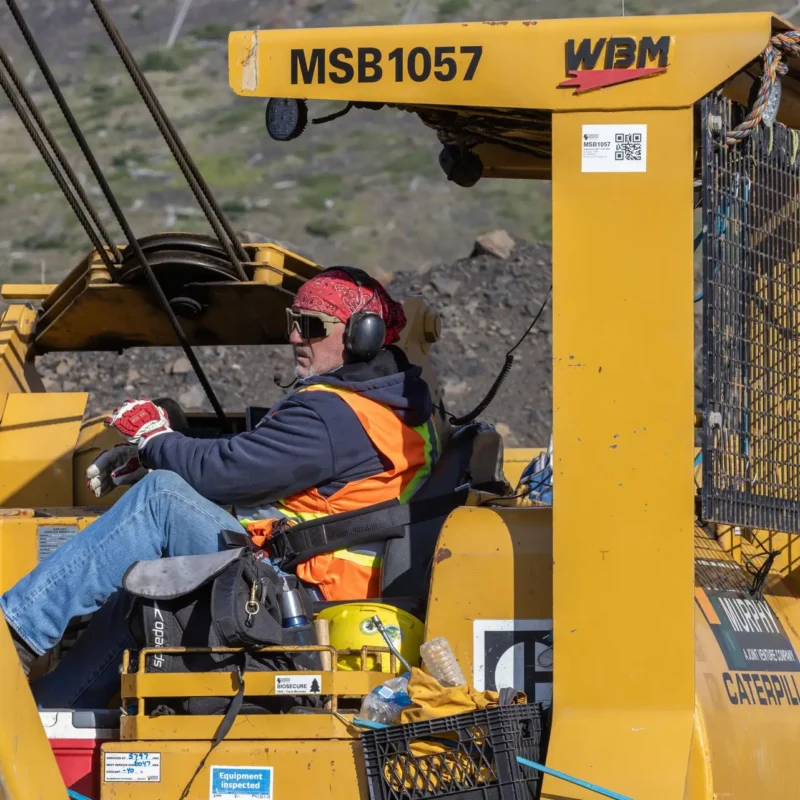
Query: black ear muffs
<point>365,331</point>
<point>364,335</point>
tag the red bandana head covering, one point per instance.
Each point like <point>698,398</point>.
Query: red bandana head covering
<point>335,292</point>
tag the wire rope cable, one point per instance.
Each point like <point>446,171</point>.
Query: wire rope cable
<point>61,101</point>
<point>70,186</point>
<point>214,214</point>
<point>133,242</point>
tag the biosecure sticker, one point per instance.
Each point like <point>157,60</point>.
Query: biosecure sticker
<point>298,684</point>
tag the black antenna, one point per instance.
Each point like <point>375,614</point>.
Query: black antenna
<point>502,375</point>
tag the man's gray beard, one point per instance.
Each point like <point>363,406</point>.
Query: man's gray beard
<point>313,371</point>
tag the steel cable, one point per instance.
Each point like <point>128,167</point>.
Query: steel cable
<point>218,221</point>
<point>203,194</point>
<point>65,166</point>
<point>36,136</point>
<point>67,112</point>
<point>118,213</point>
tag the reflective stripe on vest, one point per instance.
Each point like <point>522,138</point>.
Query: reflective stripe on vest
<point>354,573</point>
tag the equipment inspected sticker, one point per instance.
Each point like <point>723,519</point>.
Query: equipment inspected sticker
<point>241,783</point>
<point>614,148</point>
<point>132,767</point>
<point>294,684</point>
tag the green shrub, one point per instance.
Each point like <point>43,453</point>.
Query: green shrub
<point>132,155</point>
<point>212,31</point>
<point>420,161</point>
<point>103,98</point>
<point>234,207</point>
<point>317,188</point>
<point>236,115</point>
<point>100,92</point>
<point>194,92</point>
<point>160,59</point>
<point>45,241</point>
<point>452,8</point>
<point>324,227</point>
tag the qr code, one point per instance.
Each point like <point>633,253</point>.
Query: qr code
<point>628,147</point>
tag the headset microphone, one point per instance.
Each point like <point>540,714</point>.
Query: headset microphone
<point>276,379</point>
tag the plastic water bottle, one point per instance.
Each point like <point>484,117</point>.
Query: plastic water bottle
<point>441,662</point>
<point>385,703</point>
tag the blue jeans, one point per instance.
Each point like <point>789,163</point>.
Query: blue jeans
<point>159,516</point>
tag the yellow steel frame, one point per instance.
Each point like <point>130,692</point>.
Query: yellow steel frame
<point>624,447</point>
<point>333,768</point>
<point>138,686</point>
<point>27,767</point>
<point>521,65</point>
<point>622,600</point>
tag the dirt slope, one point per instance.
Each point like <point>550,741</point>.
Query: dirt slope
<point>486,302</point>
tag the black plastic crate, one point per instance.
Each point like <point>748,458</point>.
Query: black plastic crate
<point>479,762</point>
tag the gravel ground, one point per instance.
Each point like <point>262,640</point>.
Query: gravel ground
<point>486,303</point>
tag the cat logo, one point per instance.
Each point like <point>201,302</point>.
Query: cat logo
<point>624,59</point>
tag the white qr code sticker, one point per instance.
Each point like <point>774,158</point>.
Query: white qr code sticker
<point>614,148</point>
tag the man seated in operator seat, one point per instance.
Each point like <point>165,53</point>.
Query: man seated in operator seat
<point>356,430</point>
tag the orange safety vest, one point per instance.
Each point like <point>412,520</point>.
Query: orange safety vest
<point>355,573</point>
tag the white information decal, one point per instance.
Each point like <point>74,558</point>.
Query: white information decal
<point>241,783</point>
<point>614,148</point>
<point>132,767</point>
<point>298,684</point>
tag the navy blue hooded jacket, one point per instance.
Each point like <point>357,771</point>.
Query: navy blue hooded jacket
<point>308,440</point>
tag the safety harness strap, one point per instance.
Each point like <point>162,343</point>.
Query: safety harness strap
<point>377,523</point>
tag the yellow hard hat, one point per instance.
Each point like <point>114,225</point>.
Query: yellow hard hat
<point>351,627</point>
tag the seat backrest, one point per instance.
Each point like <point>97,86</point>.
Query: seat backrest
<point>486,465</point>
<point>406,561</point>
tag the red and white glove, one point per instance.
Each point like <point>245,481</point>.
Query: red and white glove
<point>118,466</point>
<point>139,421</point>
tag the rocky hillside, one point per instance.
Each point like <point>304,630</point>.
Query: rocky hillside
<point>487,301</point>
<point>364,189</point>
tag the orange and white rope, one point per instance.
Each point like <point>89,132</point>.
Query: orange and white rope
<point>782,44</point>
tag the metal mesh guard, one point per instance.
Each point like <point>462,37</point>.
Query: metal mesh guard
<point>751,324</point>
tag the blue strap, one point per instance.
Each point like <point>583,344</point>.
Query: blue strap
<point>77,795</point>
<point>564,777</point>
